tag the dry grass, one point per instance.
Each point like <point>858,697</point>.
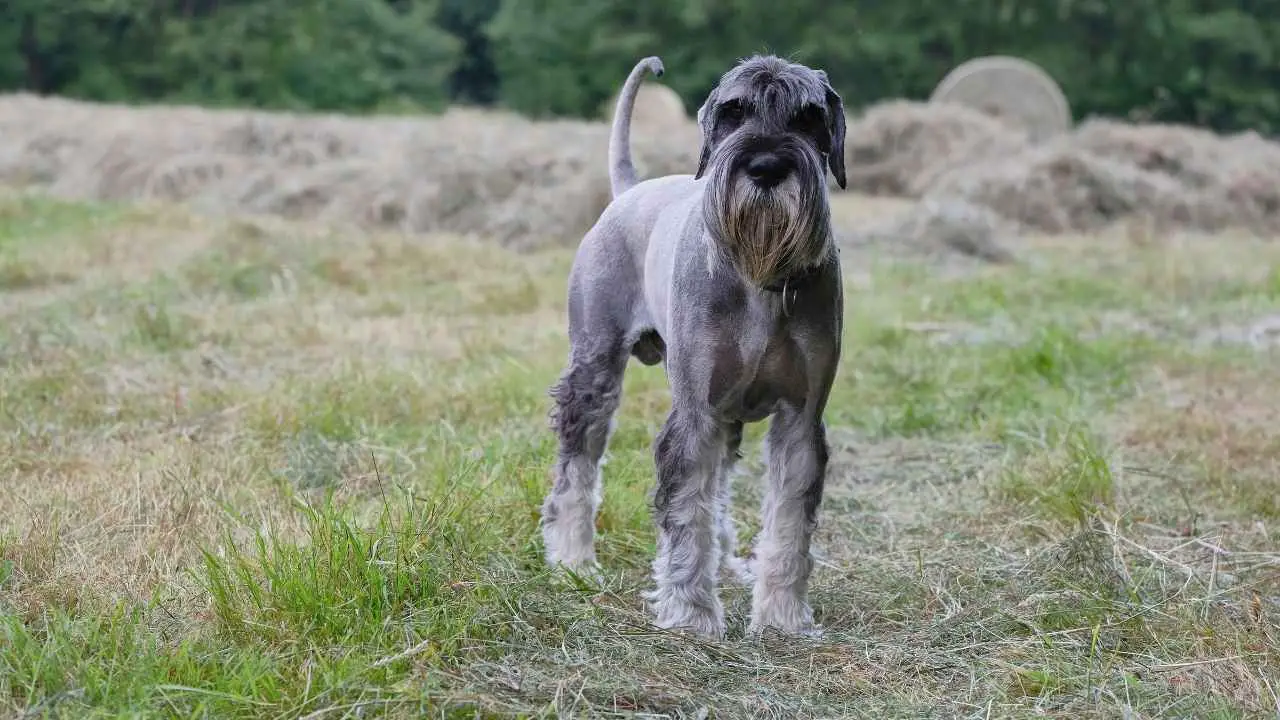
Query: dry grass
<point>494,175</point>
<point>902,147</point>
<point>1101,172</point>
<point>266,468</point>
<point>945,231</point>
<point>1217,424</point>
<point>658,109</point>
<point>529,184</point>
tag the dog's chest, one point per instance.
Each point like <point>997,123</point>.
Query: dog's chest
<point>752,384</point>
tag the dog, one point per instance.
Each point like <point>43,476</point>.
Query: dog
<point>731,278</point>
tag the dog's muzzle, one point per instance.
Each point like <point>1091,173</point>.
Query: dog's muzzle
<point>768,161</point>
<point>767,169</point>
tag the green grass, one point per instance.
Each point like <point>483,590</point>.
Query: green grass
<point>256,469</point>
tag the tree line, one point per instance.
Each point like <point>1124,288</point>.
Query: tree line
<point>1204,62</point>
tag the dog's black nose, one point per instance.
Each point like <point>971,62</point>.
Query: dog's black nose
<point>768,169</point>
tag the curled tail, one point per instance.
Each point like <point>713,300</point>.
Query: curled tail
<point>622,173</point>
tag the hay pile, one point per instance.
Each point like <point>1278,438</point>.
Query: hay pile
<point>658,109</point>
<point>1102,172</point>
<point>901,148</point>
<point>528,183</point>
<point>938,230</point>
<point>496,175</point>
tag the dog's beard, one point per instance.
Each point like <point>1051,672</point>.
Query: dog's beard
<point>767,234</point>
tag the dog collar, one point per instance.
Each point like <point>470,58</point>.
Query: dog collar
<point>794,281</point>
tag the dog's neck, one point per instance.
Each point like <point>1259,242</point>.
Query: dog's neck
<point>795,280</point>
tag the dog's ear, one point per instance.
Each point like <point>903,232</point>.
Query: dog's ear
<point>707,125</point>
<point>836,129</point>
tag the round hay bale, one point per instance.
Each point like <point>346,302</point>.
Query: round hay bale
<point>1008,88</point>
<point>658,108</point>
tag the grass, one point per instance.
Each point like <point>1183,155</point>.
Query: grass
<point>260,469</point>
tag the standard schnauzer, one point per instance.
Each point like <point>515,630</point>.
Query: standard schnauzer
<point>731,278</point>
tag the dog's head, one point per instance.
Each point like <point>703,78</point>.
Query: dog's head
<point>770,130</point>
<point>764,106</point>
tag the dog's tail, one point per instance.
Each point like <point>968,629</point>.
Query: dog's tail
<point>622,173</point>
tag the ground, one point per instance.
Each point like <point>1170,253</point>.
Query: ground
<point>251,468</point>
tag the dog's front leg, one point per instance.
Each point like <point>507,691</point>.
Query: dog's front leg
<point>797,466</point>
<point>687,452</point>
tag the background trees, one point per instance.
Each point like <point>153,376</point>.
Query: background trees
<point>1191,61</point>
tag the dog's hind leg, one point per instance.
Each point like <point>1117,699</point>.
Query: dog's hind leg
<point>688,452</point>
<point>586,397</point>
<point>727,533</point>
<point>603,294</point>
<point>797,466</point>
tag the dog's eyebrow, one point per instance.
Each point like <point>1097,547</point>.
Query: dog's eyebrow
<point>735,103</point>
<point>808,107</point>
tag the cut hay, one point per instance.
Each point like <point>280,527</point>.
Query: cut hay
<point>658,108</point>
<point>1058,190</point>
<point>488,174</point>
<point>531,184</point>
<point>1100,173</point>
<point>941,230</point>
<point>1105,172</point>
<point>901,147</point>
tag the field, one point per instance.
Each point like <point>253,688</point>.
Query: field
<point>261,466</point>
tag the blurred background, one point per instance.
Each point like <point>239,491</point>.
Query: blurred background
<point>982,120</point>
<point>1203,62</point>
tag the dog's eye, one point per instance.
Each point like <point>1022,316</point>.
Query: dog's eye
<point>809,119</point>
<point>732,112</point>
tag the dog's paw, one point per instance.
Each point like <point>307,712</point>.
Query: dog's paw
<point>560,552</point>
<point>697,620</point>
<point>705,623</point>
<point>784,613</point>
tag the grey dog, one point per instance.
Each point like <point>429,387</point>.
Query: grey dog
<point>731,278</point>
